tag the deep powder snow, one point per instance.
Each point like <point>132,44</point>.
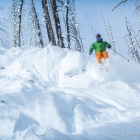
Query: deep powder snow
<point>46,95</point>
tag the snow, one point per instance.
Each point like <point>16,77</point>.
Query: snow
<point>46,95</point>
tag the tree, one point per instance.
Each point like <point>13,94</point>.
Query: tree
<point>109,33</point>
<point>49,27</point>
<point>72,26</point>
<point>17,6</point>
<point>3,32</point>
<point>37,33</point>
<point>133,42</point>
<point>123,1</point>
<point>19,21</point>
<point>67,24</point>
<point>57,24</point>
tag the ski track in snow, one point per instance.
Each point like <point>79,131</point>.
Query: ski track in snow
<point>40,101</point>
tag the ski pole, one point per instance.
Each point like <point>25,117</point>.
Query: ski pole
<point>86,63</point>
<point>120,55</point>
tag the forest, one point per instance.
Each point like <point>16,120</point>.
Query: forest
<point>61,26</point>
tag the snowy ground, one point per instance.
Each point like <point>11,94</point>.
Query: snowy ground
<point>40,101</point>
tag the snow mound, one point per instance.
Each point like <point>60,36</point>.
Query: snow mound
<point>46,95</point>
<point>73,63</point>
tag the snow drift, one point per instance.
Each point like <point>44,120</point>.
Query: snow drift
<point>39,100</point>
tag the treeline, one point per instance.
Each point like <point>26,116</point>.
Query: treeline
<point>61,28</point>
<point>131,37</point>
<point>60,24</point>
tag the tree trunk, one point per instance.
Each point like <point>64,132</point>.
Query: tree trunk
<point>14,21</point>
<point>17,16</point>
<point>37,25</point>
<point>57,25</point>
<point>19,24</point>
<point>48,23</point>
<point>67,24</point>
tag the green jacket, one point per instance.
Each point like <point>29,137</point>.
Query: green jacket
<point>99,46</point>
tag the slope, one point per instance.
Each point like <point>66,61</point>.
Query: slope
<point>40,101</point>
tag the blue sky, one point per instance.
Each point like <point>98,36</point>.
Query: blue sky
<point>92,9</point>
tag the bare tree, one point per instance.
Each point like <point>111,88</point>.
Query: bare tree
<point>19,21</point>
<point>3,32</point>
<point>112,38</point>
<point>17,6</point>
<point>14,13</point>
<point>94,32</point>
<point>49,27</point>
<point>123,1</point>
<point>74,28</point>
<point>109,33</point>
<point>37,33</point>
<point>67,24</point>
<point>137,6</point>
<point>106,28</point>
<point>133,42</point>
<point>57,24</point>
<point>72,25</point>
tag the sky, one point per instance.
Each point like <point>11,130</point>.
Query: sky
<point>92,9</point>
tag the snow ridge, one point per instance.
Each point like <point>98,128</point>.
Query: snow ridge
<point>39,100</point>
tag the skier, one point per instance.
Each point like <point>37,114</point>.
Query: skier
<point>100,49</point>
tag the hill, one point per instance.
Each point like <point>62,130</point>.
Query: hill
<point>46,95</point>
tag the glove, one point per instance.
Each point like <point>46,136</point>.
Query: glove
<point>109,46</point>
<point>90,52</point>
